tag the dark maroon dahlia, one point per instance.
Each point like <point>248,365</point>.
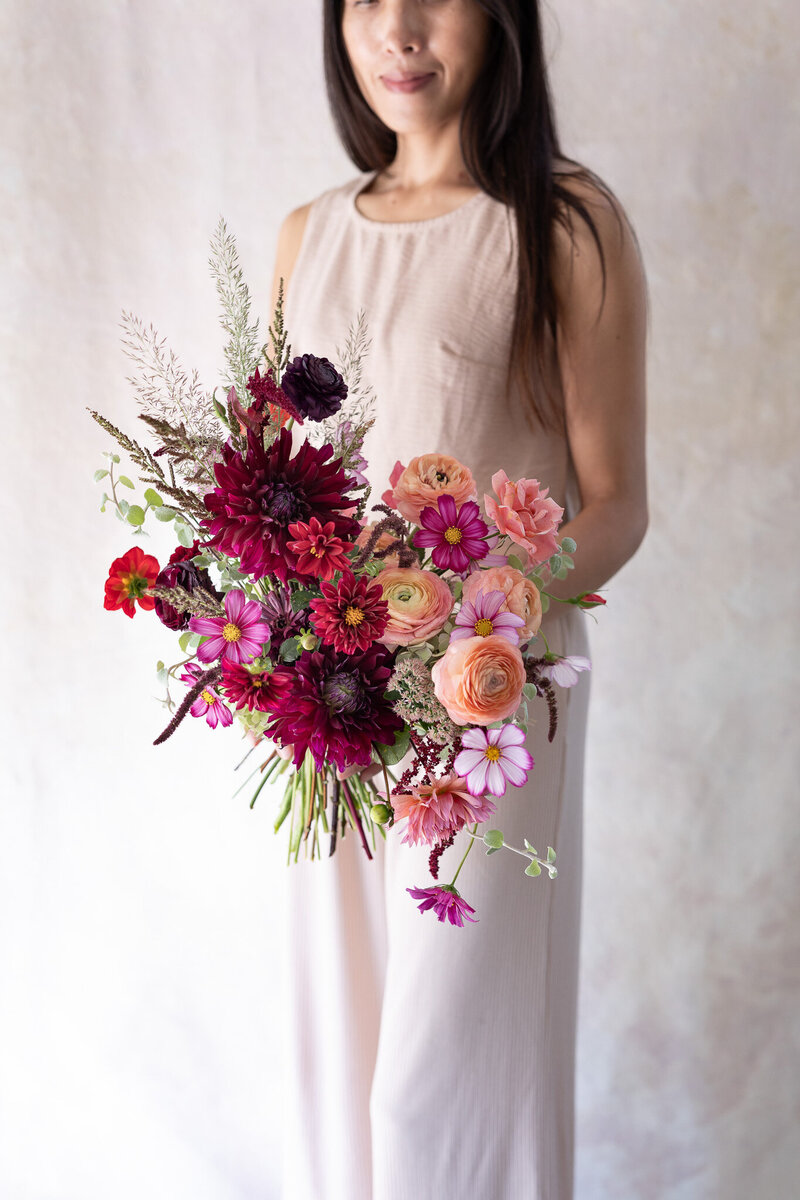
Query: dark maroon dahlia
<point>180,573</point>
<point>262,492</point>
<point>336,706</point>
<point>314,386</point>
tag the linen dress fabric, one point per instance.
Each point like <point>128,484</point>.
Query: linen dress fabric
<point>425,1061</point>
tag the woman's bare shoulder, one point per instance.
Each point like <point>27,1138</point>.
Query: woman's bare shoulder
<point>290,238</point>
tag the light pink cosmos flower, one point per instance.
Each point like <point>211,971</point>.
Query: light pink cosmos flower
<point>238,636</point>
<point>564,671</point>
<point>482,616</point>
<point>493,757</point>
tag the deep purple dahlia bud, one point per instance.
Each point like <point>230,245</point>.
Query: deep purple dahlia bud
<point>187,576</point>
<point>314,386</point>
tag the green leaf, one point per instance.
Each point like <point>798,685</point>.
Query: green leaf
<point>424,653</point>
<point>135,515</point>
<point>98,475</point>
<point>163,513</point>
<point>552,872</point>
<point>185,535</point>
<point>529,690</point>
<point>533,869</point>
<point>493,850</point>
<point>515,561</point>
<point>494,838</point>
<point>123,479</point>
<point>531,849</point>
<point>555,563</point>
<point>153,499</point>
<point>300,599</point>
<point>183,641</point>
<point>220,411</point>
<point>569,545</point>
<point>392,754</point>
<point>551,854</point>
<point>289,650</point>
<point>123,507</point>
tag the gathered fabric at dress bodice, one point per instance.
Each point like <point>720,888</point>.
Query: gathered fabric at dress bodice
<point>438,296</point>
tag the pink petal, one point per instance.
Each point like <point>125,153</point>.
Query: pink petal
<point>495,779</point>
<point>509,735</point>
<point>208,651</point>
<point>476,780</point>
<point>519,756</point>
<point>206,625</point>
<point>467,760</point>
<point>234,603</point>
<point>514,774</point>
<point>476,737</point>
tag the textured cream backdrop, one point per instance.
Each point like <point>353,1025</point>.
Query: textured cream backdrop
<point>139,926</point>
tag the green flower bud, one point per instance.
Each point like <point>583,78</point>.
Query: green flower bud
<point>381,814</point>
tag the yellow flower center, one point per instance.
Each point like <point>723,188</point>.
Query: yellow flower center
<point>483,627</point>
<point>452,535</point>
<point>492,753</point>
<point>209,699</point>
<point>231,632</point>
<point>313,550</point>
<point>353,615</point>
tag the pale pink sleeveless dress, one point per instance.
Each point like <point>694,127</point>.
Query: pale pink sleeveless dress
<point>424,1061</point>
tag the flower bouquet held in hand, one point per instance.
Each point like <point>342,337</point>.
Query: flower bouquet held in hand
<point>344,647</point>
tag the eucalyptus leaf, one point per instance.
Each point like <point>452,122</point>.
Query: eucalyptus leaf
<point>153,499</point>
<point>551,854</point>
<point>123,507</point>
<point>493,850</point>
<point>515,561</point>
<point>533,869</point>
<point>135,515</point>
<point>569,545</point>
<point>531,849</point>
<point>183,641</point>
<point>552,872</point>
<point>163,513</point>
<point>123,479</point>
<point>98,475</point>
<point>185,535</point>
<point>494,838</point>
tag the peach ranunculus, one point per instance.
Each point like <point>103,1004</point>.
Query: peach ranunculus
<point>522,595</point>
<point>419,604</point>
<point>425,479</point>
<point>479,679</point>
<point>525,512</point>
<point>385,539</point>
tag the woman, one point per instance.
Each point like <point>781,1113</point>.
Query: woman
<point>505,300</point>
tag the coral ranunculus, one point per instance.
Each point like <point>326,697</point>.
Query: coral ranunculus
<point>426,478</point>
<point>524,511</point>
<point>522,595</point>
<point>128,580</point>
<point>419,604</point>
<point>479,680</point>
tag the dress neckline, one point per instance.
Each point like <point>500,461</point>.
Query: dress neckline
<point>359,186</point>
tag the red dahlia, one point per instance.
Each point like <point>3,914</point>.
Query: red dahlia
<point>336,707</point>
<point>351,614</point>
<point>262,492</point>
<point>128,579</point>
<point>253,689</point>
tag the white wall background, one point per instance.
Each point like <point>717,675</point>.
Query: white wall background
<point>140,1014</point>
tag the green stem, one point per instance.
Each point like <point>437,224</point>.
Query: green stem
<point>464,859</point>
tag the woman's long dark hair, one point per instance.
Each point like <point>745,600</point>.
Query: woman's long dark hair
<point>508,142</point>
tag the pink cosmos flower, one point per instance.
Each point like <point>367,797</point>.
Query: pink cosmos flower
<point>208,704</point>
<point>483,616</point>
<point>457,535</point>
<point>238,636</point>
<point>493,757</point>
<point>564,671</point>
<point>437,809</point>
<point>524,511</point>
<point>446,902</point>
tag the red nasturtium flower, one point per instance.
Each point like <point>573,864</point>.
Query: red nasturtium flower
<point>128,579</point>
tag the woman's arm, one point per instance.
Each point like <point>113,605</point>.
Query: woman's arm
<point>602,362</point>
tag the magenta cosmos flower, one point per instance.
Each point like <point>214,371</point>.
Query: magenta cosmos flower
<point>482,616</point>
<point>457,535</point>
<point>238,636</point>
<point>208,703</point>
<point>446,902</point>
<point>492,757</point>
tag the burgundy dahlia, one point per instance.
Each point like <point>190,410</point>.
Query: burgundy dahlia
<point>253,689</point>
<point>281,618</point>
<point>180,573</point>
<point>336,707</point>
<point>351,614</point>
<point>314,386</point>
<point>263,491</point>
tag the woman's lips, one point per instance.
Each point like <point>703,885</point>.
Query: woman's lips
<point>407,85</point>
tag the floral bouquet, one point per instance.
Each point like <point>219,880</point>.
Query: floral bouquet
<point>343,646</point>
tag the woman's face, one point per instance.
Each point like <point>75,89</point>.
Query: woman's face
<point>386,39</point>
